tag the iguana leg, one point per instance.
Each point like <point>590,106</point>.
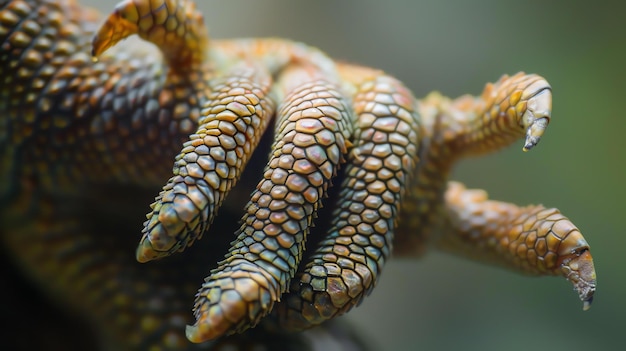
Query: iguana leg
<point>75,124</point>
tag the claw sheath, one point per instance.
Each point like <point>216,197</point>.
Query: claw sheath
<point>578,268</point>
<point>512,107</point>
<point>538,111</point>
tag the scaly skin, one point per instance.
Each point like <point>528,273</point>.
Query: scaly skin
<point>82,140</point>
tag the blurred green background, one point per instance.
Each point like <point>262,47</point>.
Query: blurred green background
<point>441,302</point>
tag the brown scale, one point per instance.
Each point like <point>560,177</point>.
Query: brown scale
<point>84,142</point>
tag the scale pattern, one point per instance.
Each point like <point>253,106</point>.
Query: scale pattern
<point>91,124</point>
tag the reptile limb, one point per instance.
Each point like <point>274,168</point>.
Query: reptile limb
<point>80,138</point>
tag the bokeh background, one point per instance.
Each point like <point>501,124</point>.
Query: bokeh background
<point>440,302</point>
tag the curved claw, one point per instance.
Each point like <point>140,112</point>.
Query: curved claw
<point>575,261</point>
<point>175,27</point>
<point>579,270</point>
<point>115,29</point>
<point>537,115</point>
<point>534,239</point>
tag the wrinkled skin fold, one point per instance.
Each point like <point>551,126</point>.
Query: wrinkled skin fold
<point>350,168</point>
